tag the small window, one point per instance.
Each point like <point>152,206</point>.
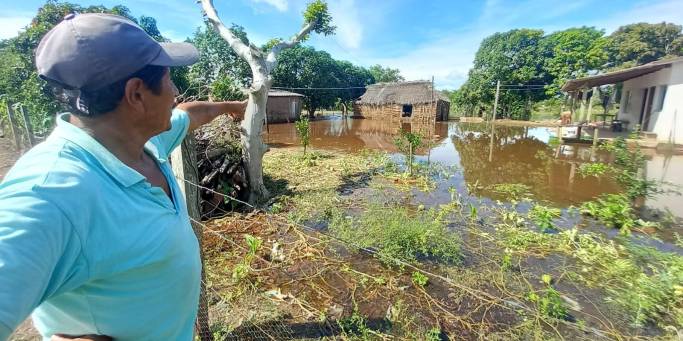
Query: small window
<point>407,110</point>
<point>661,96</point>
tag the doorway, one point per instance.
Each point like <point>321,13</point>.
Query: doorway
<point>646,108</point>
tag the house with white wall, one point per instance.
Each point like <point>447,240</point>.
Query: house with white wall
<point>651,96</point>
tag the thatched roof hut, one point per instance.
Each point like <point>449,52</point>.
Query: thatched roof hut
<point>403,99</point>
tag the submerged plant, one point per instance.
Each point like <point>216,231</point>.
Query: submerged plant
<point>512,191</point>
<point>543,216</point>
<point>613,210</point>
<point>407,143</point>
<point>550,302</point>
<point>596,169</point>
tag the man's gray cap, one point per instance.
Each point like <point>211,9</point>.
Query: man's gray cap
<point>89,51</point>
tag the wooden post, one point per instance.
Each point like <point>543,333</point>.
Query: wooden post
<point>184,163</point>
<point>559,133</point>
<point>590,104</point>
<point>14,127</point>
<point>493,133</point>
<point>596,132</point>
<point>28,127</point>
<point>495,104</point>
<point>493,121</point>
<point>410,157</point>
<point>584,97</point>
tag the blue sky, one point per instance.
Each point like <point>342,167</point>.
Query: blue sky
<point>422,38</point>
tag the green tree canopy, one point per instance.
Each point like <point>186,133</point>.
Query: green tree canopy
<point>515,58</point>
<point>306,67</point>
<point>216,61</point>
<point>386,75</point>
<point>642,43</point>
<point>573,53</point>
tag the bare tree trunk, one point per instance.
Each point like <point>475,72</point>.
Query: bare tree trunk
<point>261,64</point>
<point>253,146</point>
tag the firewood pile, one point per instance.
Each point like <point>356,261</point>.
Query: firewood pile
<point>221,170</point>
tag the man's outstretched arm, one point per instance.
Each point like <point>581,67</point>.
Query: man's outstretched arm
<point>201,113</point>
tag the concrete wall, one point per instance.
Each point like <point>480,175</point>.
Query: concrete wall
<point>665,122</point>
<point>283,109</point>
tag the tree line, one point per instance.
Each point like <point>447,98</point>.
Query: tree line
<point>218,75</point>
<point>533,65</point>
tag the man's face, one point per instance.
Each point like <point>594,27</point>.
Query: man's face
<point>160,106</point>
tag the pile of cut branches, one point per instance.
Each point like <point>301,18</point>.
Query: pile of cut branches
<point>221,168</point>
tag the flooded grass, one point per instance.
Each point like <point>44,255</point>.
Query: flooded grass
<point>352,248</point>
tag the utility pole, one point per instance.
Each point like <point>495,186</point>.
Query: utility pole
<point>493,120</point>
<point>495,104</point>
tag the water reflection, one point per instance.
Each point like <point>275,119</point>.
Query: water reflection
<point>524,155</point>
<point>518,157</point>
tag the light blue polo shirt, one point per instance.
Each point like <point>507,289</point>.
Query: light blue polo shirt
<point>89,244</point>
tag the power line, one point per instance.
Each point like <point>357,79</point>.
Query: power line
<point>344,88</point>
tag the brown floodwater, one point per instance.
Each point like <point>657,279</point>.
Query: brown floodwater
<point>516,155</point>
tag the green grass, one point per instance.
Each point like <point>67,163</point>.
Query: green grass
<point>398,234</point>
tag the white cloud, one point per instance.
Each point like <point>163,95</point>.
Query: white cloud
<point>280,5</point>
<point>11,25</point>
<point>650,12</point>
<point>349,31</point>
<point>449,59</point>
<point>173,35</point>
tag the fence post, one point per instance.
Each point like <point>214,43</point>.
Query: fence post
<point>28,127</point>
<point>13,127</point>
<point>184,163</point>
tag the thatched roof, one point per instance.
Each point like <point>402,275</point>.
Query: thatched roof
<point>415,92</point>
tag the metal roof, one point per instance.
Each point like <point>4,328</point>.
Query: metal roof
<point>283,93</point>
<point>618,76</point>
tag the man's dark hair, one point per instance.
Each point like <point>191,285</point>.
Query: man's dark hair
<point>105,99</point>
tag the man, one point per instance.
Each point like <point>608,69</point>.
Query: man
<point>94,233</point>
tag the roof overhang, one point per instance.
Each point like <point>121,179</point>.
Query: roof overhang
<point>617,76</point>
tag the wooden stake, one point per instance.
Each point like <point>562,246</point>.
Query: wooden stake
<point>596,132</point>
<point>28,127</point>
<point>14,127</point>
<point>584,98</point>
<point>184,163</point>
<point>590,104</point>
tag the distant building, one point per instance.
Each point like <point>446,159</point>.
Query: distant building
<point>651,96</point>
<point>283,106</point>
<point>403,102</point>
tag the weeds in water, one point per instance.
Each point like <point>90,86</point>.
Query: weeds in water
<point>550,302</point>
<point>398,235</point>
<point>596,169</point>
<point>506,261</point>
<point>543,216</point>
<point>613,210</point>
<point>473,212</point>
<point>514,192</point>
<point>419,279</point>
<point>628,171</point>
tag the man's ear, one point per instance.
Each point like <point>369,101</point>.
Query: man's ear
<point>133,94</point>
